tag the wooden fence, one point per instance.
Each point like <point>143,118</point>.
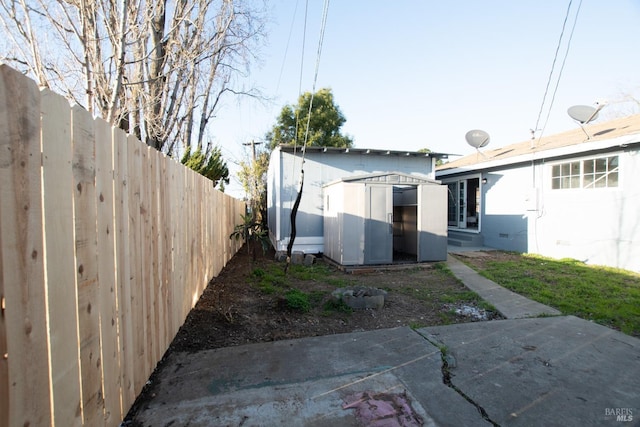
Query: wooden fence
<point>105,246</point>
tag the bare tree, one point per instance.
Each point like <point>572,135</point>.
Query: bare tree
<point>156,68</point>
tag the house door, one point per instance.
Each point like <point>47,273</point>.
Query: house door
<point>378,237</point>
<point>464,203</point>
<point>432,223</point>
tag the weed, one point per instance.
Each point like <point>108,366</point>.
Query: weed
<point>459,296</point>
<point>269,281</point>
<point>416,325</point>
<point>447,317</point>
<point>484,305</point>
<point>338,283</point>
<point>297,300</point>
<point>316,297</point>
<point>442,266</point>
<point>334,305</point>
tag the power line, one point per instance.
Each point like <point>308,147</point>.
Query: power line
<point>555,57</point>
<point>323,26</point>
<point>296,204</point>
<point>286,50</point>
<point>564,60</point>
<point>304,38</point>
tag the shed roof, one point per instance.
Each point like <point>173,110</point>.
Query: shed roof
<point>393,178</point>
<point>613,133</point>
<point>345,151</point>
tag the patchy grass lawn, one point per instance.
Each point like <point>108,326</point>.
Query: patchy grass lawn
<point>604,295</point>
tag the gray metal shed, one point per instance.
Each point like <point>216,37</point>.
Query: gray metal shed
<point>384,218</point>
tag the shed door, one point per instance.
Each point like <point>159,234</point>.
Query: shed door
<point>378,237</point>
<point>432,223</point>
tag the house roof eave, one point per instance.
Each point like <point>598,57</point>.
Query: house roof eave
<point>607,144</point>
<point>372,151</point>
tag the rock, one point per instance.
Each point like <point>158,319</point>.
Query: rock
<point>309,259</point>
<point>297,258</point>
<point>281,256</point>
<point>473,312</point>
<point>361,297</point>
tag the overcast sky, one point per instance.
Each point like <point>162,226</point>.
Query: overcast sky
<point>421,73</point>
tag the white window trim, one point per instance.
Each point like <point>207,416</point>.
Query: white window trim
<point>550,165</point>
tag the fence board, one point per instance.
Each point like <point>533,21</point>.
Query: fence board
<point>105,246</point>
<point>180,255</point>
<point>153,246</point>
<point>57,182</point>
<point>154,241</point>
<point>135,256</point>
<point>121,195</point>
<point>83,165</point>
<point>107,273</point>
<point>21,228</point>
<point>164,267</point>
<point>145,235</point>
<point>4,364</point>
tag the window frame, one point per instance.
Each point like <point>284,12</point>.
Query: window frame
<point>591,171</point>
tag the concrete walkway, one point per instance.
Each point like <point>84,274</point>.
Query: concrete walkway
<point>509,304</point>
<point>552,371</point>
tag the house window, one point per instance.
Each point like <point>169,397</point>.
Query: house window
<point>565,175</point>
<point>601,172</point>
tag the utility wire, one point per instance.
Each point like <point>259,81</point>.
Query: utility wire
<point>555,57</point>
<point>564,60</point>
<point>295,134</point>
<point>286,50</point>
<point>296,204</point>
<point>304,37</point>
<point>323,26</point>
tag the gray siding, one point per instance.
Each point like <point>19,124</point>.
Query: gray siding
<point>321,168</point>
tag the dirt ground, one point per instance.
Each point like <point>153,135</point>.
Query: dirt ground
<point>234,309</point>
<point>252,300</point>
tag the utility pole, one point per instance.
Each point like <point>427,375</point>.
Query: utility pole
<point>252,178</point>
<point>253,148</point>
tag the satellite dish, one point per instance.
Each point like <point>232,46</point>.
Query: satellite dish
<point>477,138</point>
<point>583,114</point>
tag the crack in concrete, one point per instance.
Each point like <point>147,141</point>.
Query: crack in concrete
<point>446,379</point>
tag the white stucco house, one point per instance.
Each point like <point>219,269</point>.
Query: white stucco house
<point>374,204</point>
<point>567,195</point>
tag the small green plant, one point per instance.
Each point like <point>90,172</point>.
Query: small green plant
<point>251,232</point>
<point>316,297</point>
<point>336,305</point>
<point>258,272</point>
<point>297,300</point>
<point>442,266</point>
<point>484,305</point>
<point>416,325</point>
<point>459,296</point>
<point>268,281</point>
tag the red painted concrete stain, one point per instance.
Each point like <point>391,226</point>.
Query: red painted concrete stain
<point>383,409</point>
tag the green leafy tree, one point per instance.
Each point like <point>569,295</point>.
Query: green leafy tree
<point>324,125</point>
<point>209,164</point>
<point>426,150</point>
<point>253,176</point>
